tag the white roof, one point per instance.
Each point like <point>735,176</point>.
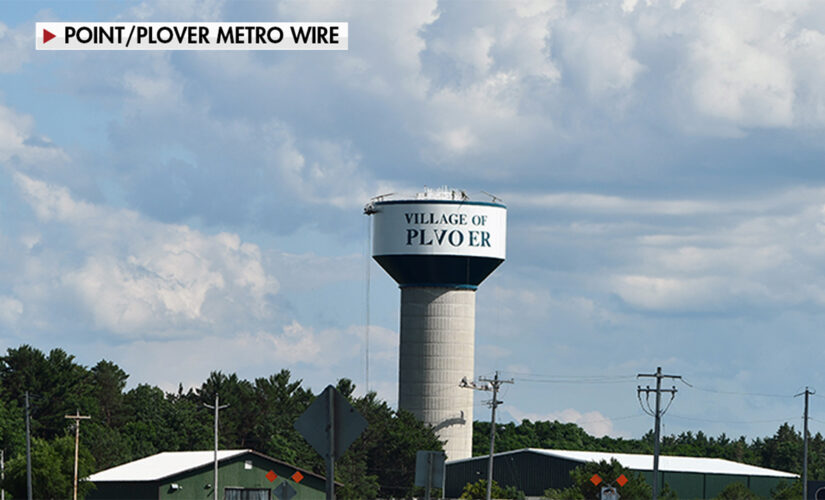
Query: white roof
<point>667,463</point>
<point>162,465</point>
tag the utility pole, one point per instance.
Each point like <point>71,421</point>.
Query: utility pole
<point>493,384</point>
<point>657,413</point>
<point>28,451</point>
<point>77,417</point>
<point>807,393</point>
<point>217,407</point>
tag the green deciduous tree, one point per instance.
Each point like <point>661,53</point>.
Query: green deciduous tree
<point>791,490</point>
<point>782,451</point>
<point>239,395</point>
<point>478,490</point>
<point>108,381</point>
<point>12,430</point>
<point>279,402</point>
<point>57,385</point>
<point>737,491</point>
<point>52,470</point>
<point>387,448</point>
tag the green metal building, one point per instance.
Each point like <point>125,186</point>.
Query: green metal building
<point>242,475</point>
<point>535,470</point>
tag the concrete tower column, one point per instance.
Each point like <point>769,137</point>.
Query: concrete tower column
<point>436,351</point>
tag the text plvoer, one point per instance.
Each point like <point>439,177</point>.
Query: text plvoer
<point>466,230</point>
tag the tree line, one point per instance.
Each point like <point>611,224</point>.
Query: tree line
<point>130,424</point>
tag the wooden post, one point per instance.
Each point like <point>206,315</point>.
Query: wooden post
<point>77,417</point>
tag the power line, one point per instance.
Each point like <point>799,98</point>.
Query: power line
<point>572,377</point>
<point>736,393</point>
<point>570,381</point>
<point>585,379</point>
<point>673,415</point>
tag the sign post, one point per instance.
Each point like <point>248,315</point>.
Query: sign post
<point>429,470</point>
<point>330,402</point>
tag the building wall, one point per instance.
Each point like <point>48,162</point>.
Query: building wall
<point>133,490</point>
<point>685,484</point>
<point>197,484</point>
<point>533,473</point>
<point>233,474</point>
<point>763,485</point>
<point>696,485</point>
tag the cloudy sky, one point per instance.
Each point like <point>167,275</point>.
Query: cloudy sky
<point>661,160</point>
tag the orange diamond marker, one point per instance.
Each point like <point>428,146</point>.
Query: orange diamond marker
<point>621,480</point>
<point>297,477</point>
<point>271,476</point>
<point>595,479</point>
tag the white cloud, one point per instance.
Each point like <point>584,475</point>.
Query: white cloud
<point>671,294</point>
<point>806,56</point>
<point>51,202</point>
<point>593,422</point>
<point>598,52</point>
<point>10,309</point>
<point>482,87</point>
<point>725,67</point>
<point>319,357</point>
<point>175,10</point>
<point>389,68</point>
<point>144,278</point>
<point>18,142</point>
<point>757,259</point>
<point>15,47</point>
<point>685,255</point>
<point>534,305</point>
<point>611,204</point>
<point>743,72</point>
<point>155,83</point>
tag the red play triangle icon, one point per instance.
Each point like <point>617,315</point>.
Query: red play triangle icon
<point>47,35</point>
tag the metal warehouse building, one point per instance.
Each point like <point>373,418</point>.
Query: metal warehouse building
<point>242,475</point>
<point>535,470</point>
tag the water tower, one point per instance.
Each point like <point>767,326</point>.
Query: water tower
<point>439,246</point>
